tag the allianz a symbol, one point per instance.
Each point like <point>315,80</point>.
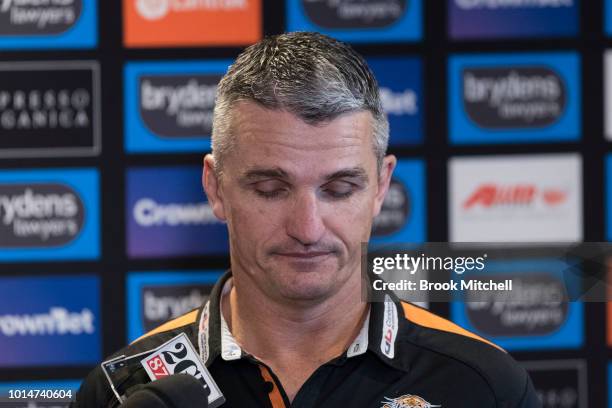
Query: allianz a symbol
<point>29,18</point>
<point>513,97</point>
<point>39,215</point>
<point>352,14</point>
<point>178,105</point>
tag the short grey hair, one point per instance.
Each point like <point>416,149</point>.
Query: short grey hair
<point>307,74</point>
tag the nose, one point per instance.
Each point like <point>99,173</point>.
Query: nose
<point>304,222</point>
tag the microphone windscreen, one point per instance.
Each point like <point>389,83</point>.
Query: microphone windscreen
<point>174,391</point>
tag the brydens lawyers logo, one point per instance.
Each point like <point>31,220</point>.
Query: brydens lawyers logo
<point>169,105</point>
<point>358,20</point>
<point>538,312</point>
<point>178,105</point>
<point>163,303</point>
<point>156,297</point>
<point>39,215</point>
<point>535,314</point>
<point>403,210</point>
<point>35,17</point>
<point>354,14</point>
<point>49,214</point>
<point>514,98</point>
<point>503,98</point>
<point>395,210</point>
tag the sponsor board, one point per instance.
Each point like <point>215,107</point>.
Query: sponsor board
<point>403,214</point>
<point>538,319</point>
<point>168,214</point>
<point>608,185</point>
<point>608,93</point>
<point>522,198</point>
<point>401,91</point>
<point>487,19</point>
<point>50,109</point>
<point>609,321</point>
<point>169,105</point>
<point>609,385</point>
<point>559,383</point>
<point>32,24</point>
<point>50,321</point>
<point>49,214</point>
<point>514,98</point>
<point>357,20</point>
<point>66,388</point>
<point>609,303</point>
<point>608,17</point>
<point>156,297</point>
<point>177,23</point>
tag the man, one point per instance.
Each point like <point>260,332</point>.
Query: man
<point>298,172</point>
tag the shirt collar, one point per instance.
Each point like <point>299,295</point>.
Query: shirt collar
<point>378,334</point>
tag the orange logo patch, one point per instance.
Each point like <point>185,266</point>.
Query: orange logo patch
<point>407,401</point>
<point>179,23</point>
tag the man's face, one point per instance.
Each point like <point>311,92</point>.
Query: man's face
<point>298,200</point>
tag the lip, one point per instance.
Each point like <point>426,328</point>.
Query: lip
<point>303,255</point>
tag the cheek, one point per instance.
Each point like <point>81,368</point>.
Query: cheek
<point>250,219</point>
<point>353,222</point>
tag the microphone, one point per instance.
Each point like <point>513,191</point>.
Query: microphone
<point>173,391</point>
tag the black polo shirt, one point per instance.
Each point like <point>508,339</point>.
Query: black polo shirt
<point>403,357</point>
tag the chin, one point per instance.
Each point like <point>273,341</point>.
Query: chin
<point>305,282</point>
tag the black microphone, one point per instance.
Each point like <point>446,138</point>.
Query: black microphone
<point>173,391</point>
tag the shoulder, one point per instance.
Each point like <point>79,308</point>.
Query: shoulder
<point>96,391</point>
<point>471,358</point>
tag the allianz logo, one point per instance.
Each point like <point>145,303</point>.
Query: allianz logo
<point>158,9</point>
<point>162,308</point>
<point>497,4</point>
<point>399,103</point>
<point>513,86</point>
<point>149,213</point>
<point>29,205</point>
<point>58,321</point>
<point>173,99</point>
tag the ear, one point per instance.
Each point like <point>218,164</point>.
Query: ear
<point>384,179</point>
<point>212,187</point>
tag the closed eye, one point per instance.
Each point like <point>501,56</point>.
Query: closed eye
<point>270,188</point>
<point>339,189</point>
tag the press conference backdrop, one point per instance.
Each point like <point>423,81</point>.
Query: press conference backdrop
<point>105,113</point>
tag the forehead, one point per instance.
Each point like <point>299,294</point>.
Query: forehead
<point>277,138</point>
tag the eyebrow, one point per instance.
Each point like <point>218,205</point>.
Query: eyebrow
<point>278,173</point>
<point>355,172</point>
<point>262,173</point>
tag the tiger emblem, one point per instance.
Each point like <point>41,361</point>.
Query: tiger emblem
<point>407,401</point>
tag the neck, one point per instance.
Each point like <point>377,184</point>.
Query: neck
<point>277,331</point>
